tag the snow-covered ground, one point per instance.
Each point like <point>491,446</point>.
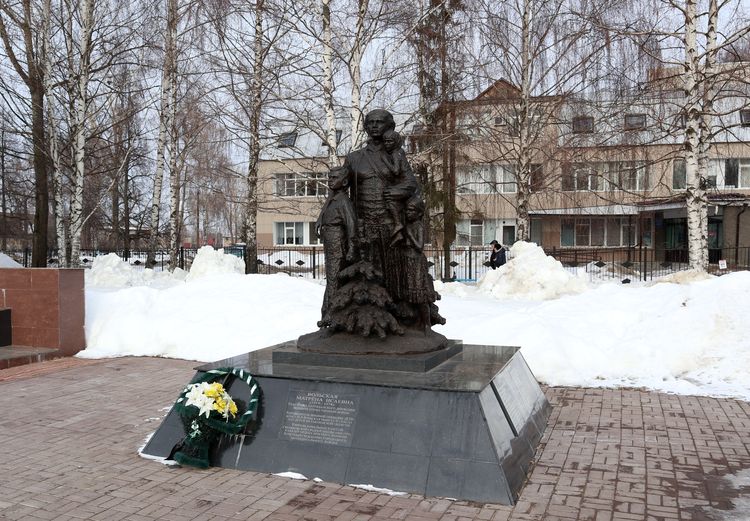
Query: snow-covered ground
<point>687,333</point>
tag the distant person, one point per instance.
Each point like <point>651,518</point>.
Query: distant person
<point>497,257</point>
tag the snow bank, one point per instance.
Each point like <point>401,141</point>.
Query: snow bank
<point>688,338</point>
<point>210,262</point>
<point>205,319</point>
<point>7,262</point>
<point>683,277</point>
<point>110,271</point>
<point>530,275</point>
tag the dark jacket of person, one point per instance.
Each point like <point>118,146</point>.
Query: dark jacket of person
<point>497,257</point>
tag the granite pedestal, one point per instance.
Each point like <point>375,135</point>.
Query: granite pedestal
<point>468,428</point>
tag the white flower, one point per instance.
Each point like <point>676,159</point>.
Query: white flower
<point>196,398</point>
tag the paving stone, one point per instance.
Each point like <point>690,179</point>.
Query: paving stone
<point>606,455</point>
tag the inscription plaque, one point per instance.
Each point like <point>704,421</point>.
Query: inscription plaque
<point>320,417</point>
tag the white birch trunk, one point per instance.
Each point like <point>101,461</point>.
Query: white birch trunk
<point>355,69</point>
<point>328,86</point>
<point>695,198</point>
<point>710,92</point>
<point>80,115</point>
<point>168,82</point>
<point>523,173</point>
<point>251,179</point>
<point>174,179</point>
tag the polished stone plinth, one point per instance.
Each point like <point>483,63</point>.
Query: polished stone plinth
<point>410,362</point>
<point>466,429</point>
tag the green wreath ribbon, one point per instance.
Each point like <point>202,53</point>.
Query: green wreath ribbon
<point>203,431</point>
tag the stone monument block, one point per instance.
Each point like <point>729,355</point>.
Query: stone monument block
<point>466,429</point>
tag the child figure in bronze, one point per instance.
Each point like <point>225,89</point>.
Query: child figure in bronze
<point>337,226</point>
<point>420,291</point>
<point>397,164</point>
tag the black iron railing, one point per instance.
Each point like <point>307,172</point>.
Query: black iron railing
<point>464,264</point>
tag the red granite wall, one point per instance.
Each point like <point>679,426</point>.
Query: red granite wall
<point>47,307</point>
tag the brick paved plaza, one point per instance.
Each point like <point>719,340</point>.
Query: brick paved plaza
<point>70,430</point>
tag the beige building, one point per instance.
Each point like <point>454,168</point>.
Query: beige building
<point>606,174</point>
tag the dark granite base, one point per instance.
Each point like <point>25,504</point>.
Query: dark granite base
<point>6,333</point>
<point>417,363</point>
<point>411,342</point>
<point>467,429</point>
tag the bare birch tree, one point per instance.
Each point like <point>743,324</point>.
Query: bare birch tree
<point>166,115</point>
<point>20,22</point>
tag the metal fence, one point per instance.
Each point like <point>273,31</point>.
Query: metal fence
<point>644,264</point>
<point>465,264</point>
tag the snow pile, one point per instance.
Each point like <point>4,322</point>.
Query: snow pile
<point>205,319</point>
<point>689,338</point>
<point>530,275</point>
<point>453,288</point>
<point>681,338</point>
<point>210,262</point>
<point>110,271</point>
<point>684,277</point>
<point>7,262</point>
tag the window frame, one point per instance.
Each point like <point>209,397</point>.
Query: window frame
<point>745,117</point>
<point>287,139</point>
<point>473,225</point>
<point>679,169</point>
<point>571,228</point>
<point>281,232</point>
<point>589,124</point>
<point>743,164</point>
<point>297,184</point>
<point>641,125</point>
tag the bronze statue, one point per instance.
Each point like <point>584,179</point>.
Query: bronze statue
<point>337,227</point>
<point>378,284</point>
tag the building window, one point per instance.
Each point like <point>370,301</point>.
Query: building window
<point>289,233</point>
<point>601,231</point>
<point>635,121</point>
<point>646,237</point>
<point>287,139</point>
<point>476,229</point>
<point>485,179</point>
<point>601,176</point>
<point>585,177</point>
<point>737,173</point>
<point>506,178</point>
<point>632,175</point>
<point>744,173</point>
<point>745,117</point>
<point>713,174</point>
<point>305,184</point>
<point>473,179</point>
<point>535,231</point>
<point>536,178</point>
<point>509,235</point>
<point>583,125</point>
<point>679,179</point>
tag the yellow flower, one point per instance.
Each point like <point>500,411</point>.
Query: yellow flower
<point>215,390</point>
<point>232,408</point>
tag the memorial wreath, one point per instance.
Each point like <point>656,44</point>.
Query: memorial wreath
<point>207,411</point>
